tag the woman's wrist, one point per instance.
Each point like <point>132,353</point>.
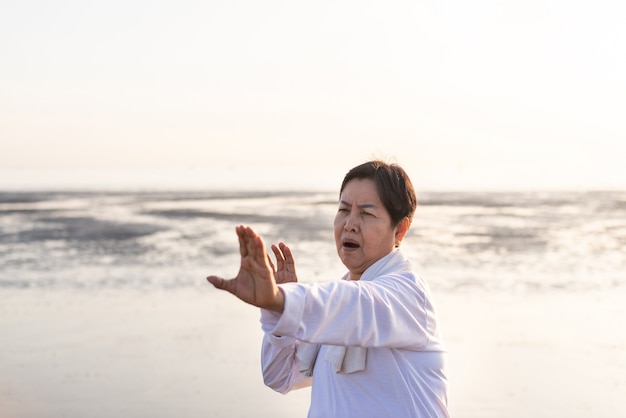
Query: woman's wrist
<point>279,302</point>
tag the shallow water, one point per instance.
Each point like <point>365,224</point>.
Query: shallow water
<point>461,241</point>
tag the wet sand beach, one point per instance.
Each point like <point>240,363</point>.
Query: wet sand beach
<point>195,353</point>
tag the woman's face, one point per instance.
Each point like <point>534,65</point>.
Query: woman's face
<point>363,229</point>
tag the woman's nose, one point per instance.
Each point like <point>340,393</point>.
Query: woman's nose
<point>351,224</point>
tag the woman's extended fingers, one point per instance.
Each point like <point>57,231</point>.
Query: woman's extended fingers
<point>256,249</point>
<point>252,244</point>
<point>288,256</point>
<point>243,250</point>
<point>247,245</point>
<point>280,258</point>
<point>221,283</point>
<point>255,282</point>
<point>286,264</point>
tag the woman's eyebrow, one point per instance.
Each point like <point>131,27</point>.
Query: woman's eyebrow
<point>363,206</point>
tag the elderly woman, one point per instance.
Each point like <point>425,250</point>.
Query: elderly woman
<point>369,345</point>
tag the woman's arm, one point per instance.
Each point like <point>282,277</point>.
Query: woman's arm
<point>390,311</point>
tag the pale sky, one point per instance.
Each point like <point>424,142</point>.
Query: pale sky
<point>481,94</point>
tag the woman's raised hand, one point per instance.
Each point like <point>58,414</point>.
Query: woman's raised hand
<point>255,283</point>
<point>285,270</point>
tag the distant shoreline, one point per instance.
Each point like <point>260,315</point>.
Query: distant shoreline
<point>485,179</point>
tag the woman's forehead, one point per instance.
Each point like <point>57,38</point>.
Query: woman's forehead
<point>360,192</point>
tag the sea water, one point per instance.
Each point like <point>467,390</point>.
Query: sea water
<point>470,241</point>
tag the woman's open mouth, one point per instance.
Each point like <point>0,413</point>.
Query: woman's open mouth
<point>350,244</point>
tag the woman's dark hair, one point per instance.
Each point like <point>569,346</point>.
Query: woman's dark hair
<point>393,185</point>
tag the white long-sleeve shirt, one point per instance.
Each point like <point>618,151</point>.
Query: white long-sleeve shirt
<point>390,312</point>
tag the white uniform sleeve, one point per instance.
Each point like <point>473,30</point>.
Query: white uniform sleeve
<point>278,360</point>
<point>390,311</point>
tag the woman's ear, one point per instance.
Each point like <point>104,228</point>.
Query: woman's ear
<point>401,230</point>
